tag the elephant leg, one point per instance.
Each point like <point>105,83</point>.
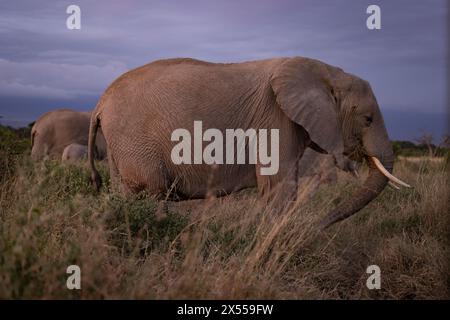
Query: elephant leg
<point>141,174</point>
<point>281,188</point>
<point>115,180</point>
<point>307,186</point>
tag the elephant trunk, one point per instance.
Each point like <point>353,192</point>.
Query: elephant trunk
<point>380,158</point>
<point>372,187</point>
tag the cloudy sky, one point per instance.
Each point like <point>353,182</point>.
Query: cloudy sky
<point>44,65</point>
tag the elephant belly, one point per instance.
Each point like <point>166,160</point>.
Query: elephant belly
<point>143,166</point>
<point>200,181</point>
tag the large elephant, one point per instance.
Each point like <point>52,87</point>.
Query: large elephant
<point>311,103</point>
<point>57,129</point>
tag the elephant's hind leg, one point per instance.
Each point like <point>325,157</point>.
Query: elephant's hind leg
<point>114,176</point>
<point>147,176</point>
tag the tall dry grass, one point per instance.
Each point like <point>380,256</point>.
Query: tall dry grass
<point>228,248</point>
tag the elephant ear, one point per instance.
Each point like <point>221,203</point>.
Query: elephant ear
<point>304,93</point>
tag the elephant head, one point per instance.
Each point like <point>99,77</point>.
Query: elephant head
<point>342,117</point>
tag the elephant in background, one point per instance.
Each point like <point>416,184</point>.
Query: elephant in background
<point>57,129</point>
<point>74,152</point>
<point>312,104</point>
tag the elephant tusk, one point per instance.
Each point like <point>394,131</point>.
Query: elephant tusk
<point>387,174</point>
<point>393,185</point>
<point>355,173</point>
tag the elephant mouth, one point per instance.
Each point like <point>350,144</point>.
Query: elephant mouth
<point>376,163</point>
<point>386,172</point>
<point>355,154</point>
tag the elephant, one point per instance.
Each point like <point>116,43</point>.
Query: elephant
<point>74,151</point>
<point>55,130</point>
<point>311,104</point>
<point>322,167</point>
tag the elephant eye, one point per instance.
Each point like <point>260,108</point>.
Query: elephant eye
<point>369,120</point>
<point>333,94</point>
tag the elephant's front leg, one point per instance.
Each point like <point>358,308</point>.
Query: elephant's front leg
<point>280,189</point>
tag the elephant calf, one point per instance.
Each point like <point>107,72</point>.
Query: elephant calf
<point>312,105</point>
<point>74,151</point>
<point>57,129</point>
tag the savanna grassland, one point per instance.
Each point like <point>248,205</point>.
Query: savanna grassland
<point>228,248</point>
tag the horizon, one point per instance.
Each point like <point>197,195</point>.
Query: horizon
<point>46,66</point>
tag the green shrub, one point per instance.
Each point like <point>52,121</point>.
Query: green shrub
<point>12,148</point>
<point>133,222</point>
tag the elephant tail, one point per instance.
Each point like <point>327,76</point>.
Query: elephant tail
<point>93,128</point>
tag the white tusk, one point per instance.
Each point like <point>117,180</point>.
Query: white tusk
<point>355,172</point>
<point>393,185</point>
<point>387,174</point>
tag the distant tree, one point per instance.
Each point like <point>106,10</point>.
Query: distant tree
<point>396,147</point>
<point>444,150</point>
<point>427,140</point>
<point>445,143</point>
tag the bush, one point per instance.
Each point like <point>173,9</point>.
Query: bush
<point>12,148</point>
<point>135,225</point>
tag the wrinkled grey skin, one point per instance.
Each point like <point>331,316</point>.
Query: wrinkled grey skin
<point>74,152</point>
<point>57,129</point>
<point>313,104</point>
